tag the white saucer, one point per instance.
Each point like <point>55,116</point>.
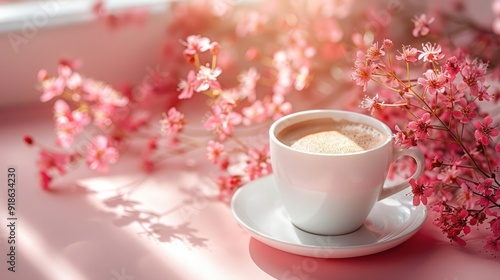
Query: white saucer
<point>257,207</point>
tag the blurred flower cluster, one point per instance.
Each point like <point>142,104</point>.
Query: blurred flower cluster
<point>245,64</point>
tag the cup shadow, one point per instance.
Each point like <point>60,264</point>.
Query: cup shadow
<point>365,233</point>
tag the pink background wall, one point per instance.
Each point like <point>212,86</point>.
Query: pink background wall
<point>111,55</point>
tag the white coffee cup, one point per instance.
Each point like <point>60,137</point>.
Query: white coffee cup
<point>332,194</point>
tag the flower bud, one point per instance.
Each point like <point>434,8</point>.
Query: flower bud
<point>215,48</point>
<point>387,45</point>
<point>42,75</point>
<point>28,140</point>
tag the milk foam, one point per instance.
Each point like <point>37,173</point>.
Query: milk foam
<point>327,142</point>
<point>332,137</point>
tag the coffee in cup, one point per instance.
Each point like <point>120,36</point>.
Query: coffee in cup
<point>330,168</point>
<point>327,136</point>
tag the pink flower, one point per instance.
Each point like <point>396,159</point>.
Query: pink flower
<point>49,161</point>
<point>465,198</point>
<point>51,87</point>
<point>362,74</point>
<point>248,82</point>
<point>492,243</point>
<point>231,95</point>
<point>403,139</point>
<point>495,226</point>
<point>228,185</point>
<point>258,163</point>
<point>68,123</point>
<point>481,91</point>
<point>374,53</point>
<point>186,86</point>
<point>293,65</point>
<point>100,153</point>
<point>451,97</point>
<point>430,52</point>
<point>278,107</point>
<point>284,81</point>
<point>484,131</point>
<point>452,67</point>
<point>484,185</point>
<point>420,192</point>
<point>65,132</point>
<point>255,113</point>
<point>214,151</point>
<point>280,59</point>
<point>106,101</point>
<point>449,174</point>
<point>194,45</point>
<point>73,80</point>
<point>408,54</point>
<point>465,112</point>
<point>55,86</point>
<point>433,82</point>
<point>387,45</point>
<point>473,73</point>
<point>172,122</point>
<point>302,77</point>
<point>421,25</point>
<point>223,119</point>
<point>214,48</point>
<point>371,103</point>
<point>454,222</point>
<point>360,59</point>
<point>421,126</point>
<point>206,79</point>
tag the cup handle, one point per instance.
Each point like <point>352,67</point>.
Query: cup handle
<point>419,158</point>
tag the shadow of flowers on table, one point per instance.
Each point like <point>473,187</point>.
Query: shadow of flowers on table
<point>183,232</point>
<point>131,211</point>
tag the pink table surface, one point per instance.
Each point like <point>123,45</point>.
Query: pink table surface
<point>169,225</point>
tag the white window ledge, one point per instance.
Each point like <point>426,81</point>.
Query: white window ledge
<point>15,16</point>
